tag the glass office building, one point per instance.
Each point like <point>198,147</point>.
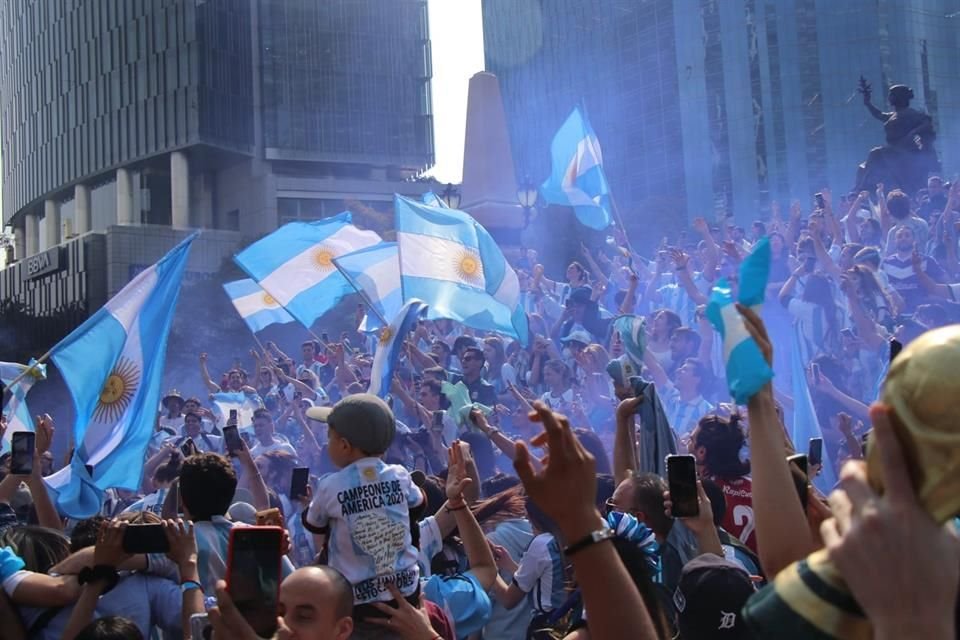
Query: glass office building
<point>708,105</point>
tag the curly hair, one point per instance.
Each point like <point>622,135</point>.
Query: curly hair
<point>722,440</point>
<point>207,485</point>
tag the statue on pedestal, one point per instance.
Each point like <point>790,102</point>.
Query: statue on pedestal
<point>908,157</point>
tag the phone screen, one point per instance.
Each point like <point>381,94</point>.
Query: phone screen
<point>233,416</point>
<point>815,451</point>
<point>298,482</point>
<point>253,575</point>
<point>145,538</point>
<point>231,436</point>
<point>188,448</point>
<point>682,479</point>
<point>437,420</point>
<point>22,444</point>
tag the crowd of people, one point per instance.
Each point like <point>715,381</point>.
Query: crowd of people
<point>498,491</point>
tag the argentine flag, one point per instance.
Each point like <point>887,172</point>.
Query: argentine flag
<point>577,179</point>
<point>16,411</point>
<point>245,405</point>
<point>294,264</point>
<point>747,370</point>
<point>375,274</point>
<point>449,261</point>
<point>390,345</point>
<point>432,199</point>
<point>112,365</point>
<point>258,308</point>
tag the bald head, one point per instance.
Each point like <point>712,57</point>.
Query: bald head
<point>317,602</point>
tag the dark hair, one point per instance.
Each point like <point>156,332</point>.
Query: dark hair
<point>634,559</point>
<point>606,485</point>
<point>898,204</point>
<point>477,352</point>
<point>280,462</point>
<point>110,628</point>
<point>498,483</point>
<point>85,532</point>
<point>262,413</point>
<point>648,489</point>
<point>312,343</point>
<point>194,400</point>
<point>723,439</point>
<point>462,342</point>
<point>592,443</point>
<point>193,414</point>
<point>39,548</point>
<point>673,320</point>
<point>207,485</point>
<point>819,292</point>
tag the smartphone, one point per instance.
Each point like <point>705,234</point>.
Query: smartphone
<point>810,265</point>
<point>233,417</point>
<point>417,382</point>
<point>253,575</point>
<point>815,451</point>
<point>145,538</point>
<point>269,518</point>
<point>815,369</point>
<point>325,337</point>
<point>231,438</point>
<point>438,420</point>
<point>298,482</point>
<point>799,459</point>
<point>22,445</point>
<point>895,348</point>
<point>818,198</point>
<point>682,481</point>
<point>188,448</point>
<point>200,627</point>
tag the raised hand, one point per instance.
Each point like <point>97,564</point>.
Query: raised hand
<point>109,548</point>
<point>457,479</point>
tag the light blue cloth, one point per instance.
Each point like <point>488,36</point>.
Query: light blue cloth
<point>463,598</point>
<point>112,365</point>
<point>577,179</point>
<point>391,345</point>
<point>18,414</point>
<point>257,307</point>
<point>375,274</point>
<point>449,261</point>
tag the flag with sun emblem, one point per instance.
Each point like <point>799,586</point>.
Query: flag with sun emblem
<point>389,347</point>
<point>15,410</point>
<point>112,365</point>
<point>294,264</point>
<point>448,260</point>
<point>258,308</point>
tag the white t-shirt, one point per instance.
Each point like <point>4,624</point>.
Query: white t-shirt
<point>367,507</point>
<point>541,572</point>
<point>259,449</point>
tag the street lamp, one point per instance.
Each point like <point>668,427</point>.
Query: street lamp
<point>451,195</point>
<point>527,195</point>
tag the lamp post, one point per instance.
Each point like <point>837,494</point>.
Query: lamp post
<point>451,195</point>
<point>527,195</point>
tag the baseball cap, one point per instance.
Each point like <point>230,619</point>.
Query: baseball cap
<point>578,335</point>
<point>362,419</point>
<point>709,597</point>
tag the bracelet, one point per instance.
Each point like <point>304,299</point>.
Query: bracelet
<point>103,572</point>
<point>594,537</point>
<point>187,585</point>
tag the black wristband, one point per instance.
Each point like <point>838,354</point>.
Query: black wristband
<point>103,572</point>
<point>600,535</point>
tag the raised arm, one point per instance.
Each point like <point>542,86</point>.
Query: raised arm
<point>625,440</point>
<point>656,371</point>
<point>712,257</point>
<point>47,515</point>
<point>783,534</point>
<point>475,544</point>
<point>212,386</point>
<point>823,257</point>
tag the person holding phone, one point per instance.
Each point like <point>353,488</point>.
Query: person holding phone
<point>716,445</point>
<point>365,507</point>
<point>193,431</point>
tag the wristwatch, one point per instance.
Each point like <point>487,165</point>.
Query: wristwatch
<point>592,538</point>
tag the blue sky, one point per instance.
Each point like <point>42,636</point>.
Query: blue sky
<point>456,35</point>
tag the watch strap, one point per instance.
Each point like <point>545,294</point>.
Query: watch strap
<point>592,538</point>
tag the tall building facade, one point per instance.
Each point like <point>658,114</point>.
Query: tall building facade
<point>708,105</point>
<point>136,120</point>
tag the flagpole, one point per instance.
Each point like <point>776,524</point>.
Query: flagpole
<point>363,294</point>
<point>616,213</point>
<point>30,369</point>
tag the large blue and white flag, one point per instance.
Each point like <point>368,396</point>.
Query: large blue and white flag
<point>448,260</point>
<point>747,370</point>
<point>16,410</point>
<point>375,273</point>
<point>243,403</point>
<point>390,345</point>
<point>112,365</point>
<point>294,264</point>
<point>577,179</point>
<point>258,308</point>
<point>432,199</point>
